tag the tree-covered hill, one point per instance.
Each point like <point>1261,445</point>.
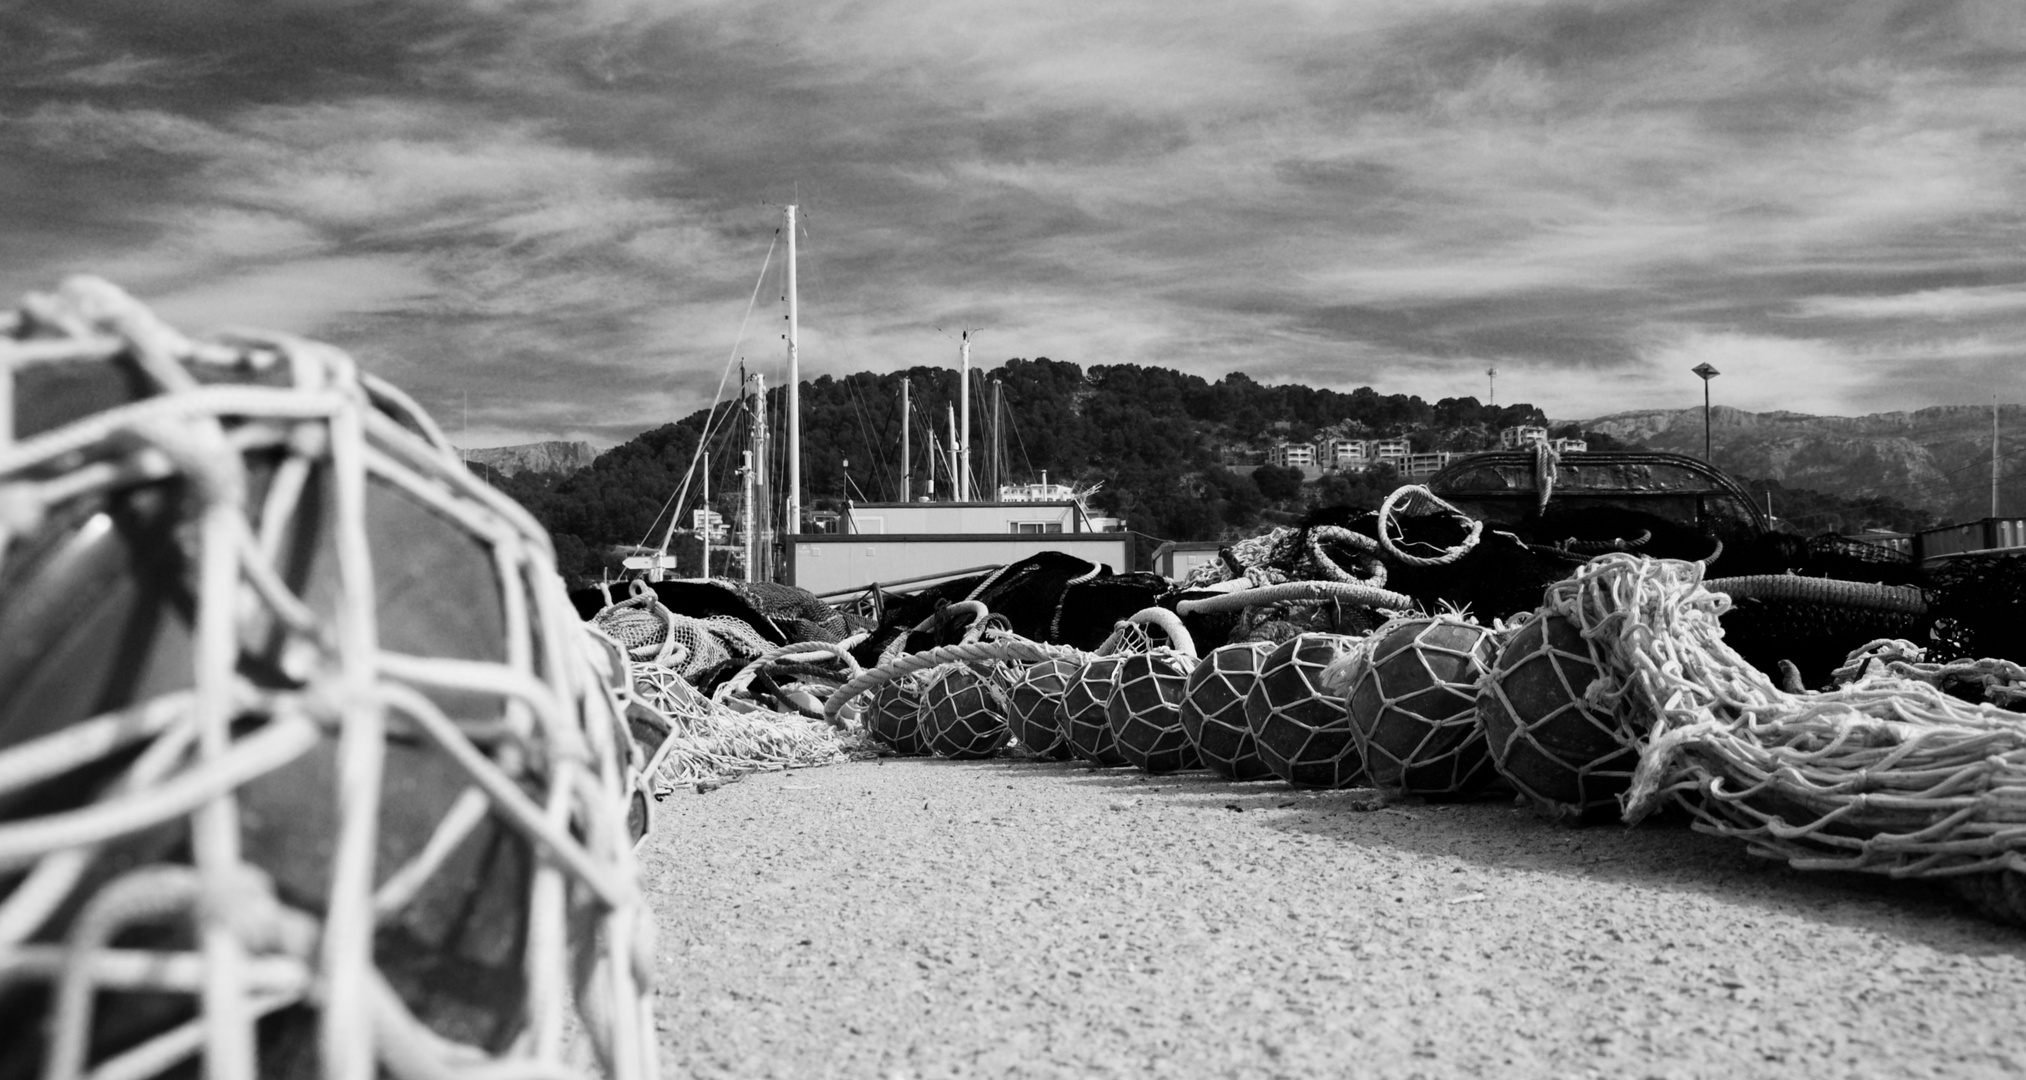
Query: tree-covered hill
<point>1171,453</point>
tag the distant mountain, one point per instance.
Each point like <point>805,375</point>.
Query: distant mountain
<point>1937,459</point>
<point>542,457</point>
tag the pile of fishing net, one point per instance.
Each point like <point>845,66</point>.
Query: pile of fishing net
<point>306,763</point>
<point>1887,773</point>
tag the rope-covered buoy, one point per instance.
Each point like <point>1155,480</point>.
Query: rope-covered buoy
<point>1086,717</point>
<point>1413,706</point>
<point>1034,708</point>
<point>963,713</point>
<point>1145,706</point>
<point>1299,723</point>
<point>1213,710</point>
<point>1555,744</point>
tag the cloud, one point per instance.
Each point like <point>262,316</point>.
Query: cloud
<point>1956,303</point>
<point>562,207</point>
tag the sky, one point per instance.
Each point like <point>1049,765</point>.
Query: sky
<point>548,219</point>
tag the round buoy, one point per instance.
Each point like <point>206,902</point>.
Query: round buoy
<point>963,714</point>
<point>1213,710</point>
<point>1145,707</point>
<point>1034,708</point>
<point>1542,733</point>
<point>1085,722</point>
<point>1413,706</point>
<point>894,718</point>
<point>1145,712</point>
<point>1303,732</point>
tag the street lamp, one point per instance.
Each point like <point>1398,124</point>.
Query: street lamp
<point>1707,372</point>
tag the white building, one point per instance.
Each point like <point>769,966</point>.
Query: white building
<point>1393,452</point>
<point>1521,437</point>
<point>1427,464</point>
<point>1291,455</point>
<point>1567,446</point>
<point>1353,454</point>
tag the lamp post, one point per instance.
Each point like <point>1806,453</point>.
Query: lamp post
<point>1707,372</point>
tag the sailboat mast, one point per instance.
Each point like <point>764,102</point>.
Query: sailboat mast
<point>759,499</point>
<point>963,433</point>
<point>791,505</point>
<point>998,441</point>
<point>705,530</point>
<point>956,458</point>
<point>906,462</point>
<point>1994,457</point>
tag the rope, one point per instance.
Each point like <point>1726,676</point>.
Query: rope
<point>552,764</point>
<point>1885,774</point>
<point>1547,469</point>
<point>1004,647</point>
<point>1427,503</point>
<point>1297,592</point>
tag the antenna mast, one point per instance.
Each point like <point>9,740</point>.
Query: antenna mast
<point>1491,376</point>
<point>906,462</point>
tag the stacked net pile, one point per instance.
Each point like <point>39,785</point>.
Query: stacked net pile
<point>289,685</point>
<point>695,649</point>
<point>1886,774</point>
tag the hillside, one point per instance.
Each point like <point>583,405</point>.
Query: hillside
<point>1936,459</point>
<point>1171,453</point>
<point>542,457</point>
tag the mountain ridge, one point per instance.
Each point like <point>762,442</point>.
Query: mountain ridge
<point>1935,458</point>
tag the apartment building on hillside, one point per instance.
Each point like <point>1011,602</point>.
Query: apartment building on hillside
<point>1291,455</point>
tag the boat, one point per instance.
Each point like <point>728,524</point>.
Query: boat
<point>907,544</point>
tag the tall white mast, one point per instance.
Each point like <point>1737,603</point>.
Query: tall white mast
<point>1994,456</point>
<point>906,462</point>
<point>964,428</point>
<point>791,504</point>
<point>759,493</point>
<point>956,458</point>
<point>705,532</point>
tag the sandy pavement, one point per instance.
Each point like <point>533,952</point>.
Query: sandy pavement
<point>1008,918</point>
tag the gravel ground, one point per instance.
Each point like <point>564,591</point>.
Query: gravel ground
<point>919,918</point>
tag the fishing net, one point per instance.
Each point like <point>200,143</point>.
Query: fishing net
<point>1298,722</point>
<point>306,762</point>
<point>1413,706</point>
<point>1034,708</point>
<point>963,713</point>
<point>1886,774</point>
<point>1086,719</point>
<point>1145,706</point>
<point>1814,623</point>
<point>1547,733</point>
<point>1978,603</point>
<point>1212,712</point>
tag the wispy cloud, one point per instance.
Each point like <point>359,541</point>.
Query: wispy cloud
<point>559,209</point>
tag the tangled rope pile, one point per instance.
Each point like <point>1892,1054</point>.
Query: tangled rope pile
<point>1886,774</point>
<point>263,446</point>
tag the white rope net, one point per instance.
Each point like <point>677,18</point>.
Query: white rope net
<point>306,786</point>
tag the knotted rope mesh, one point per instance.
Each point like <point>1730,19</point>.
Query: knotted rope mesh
<point>255,449</point>
<point>1886,774</point>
